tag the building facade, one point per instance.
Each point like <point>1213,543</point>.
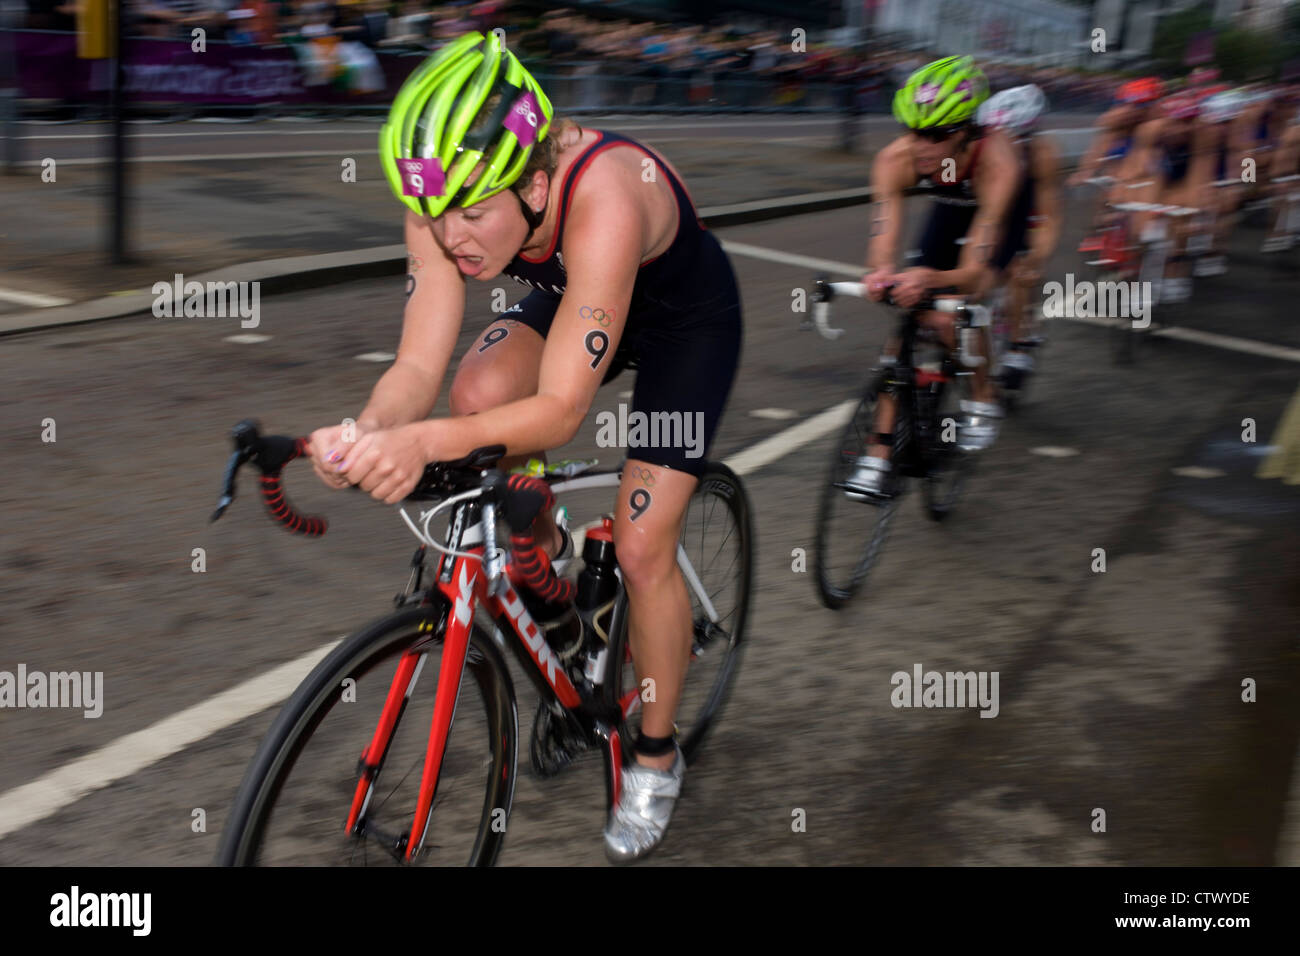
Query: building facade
<point>1005,28</point>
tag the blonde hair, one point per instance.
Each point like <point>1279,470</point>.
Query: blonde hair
<point>546,154</point>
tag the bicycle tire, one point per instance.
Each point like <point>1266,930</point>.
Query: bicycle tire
<point>834,590</point>
<point>718,483</point>
<point>355,657</point>
<point>948,468</point>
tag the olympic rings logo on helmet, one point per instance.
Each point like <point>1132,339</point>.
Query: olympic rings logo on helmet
<point>529,116</point>
<point>475,112</point>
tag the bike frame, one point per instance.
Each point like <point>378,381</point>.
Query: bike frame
<point>462,583</point>
<point>913,393</point>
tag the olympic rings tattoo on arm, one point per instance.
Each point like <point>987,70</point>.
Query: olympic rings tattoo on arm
<point>602,317</point>
<point>645,475</point>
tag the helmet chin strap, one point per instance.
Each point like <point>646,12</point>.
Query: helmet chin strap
<point>531,216</point>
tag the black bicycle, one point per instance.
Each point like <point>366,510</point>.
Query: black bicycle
<point>927,383</point>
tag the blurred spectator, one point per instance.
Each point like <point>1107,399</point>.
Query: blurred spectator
<point>609,60</point>
<point>51,15</point>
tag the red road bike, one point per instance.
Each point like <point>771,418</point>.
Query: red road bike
<point>427,688</point>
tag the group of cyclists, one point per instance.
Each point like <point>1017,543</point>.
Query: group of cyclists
<point>997,204</point>
<point>622,274</point>
<point>1199,145</point>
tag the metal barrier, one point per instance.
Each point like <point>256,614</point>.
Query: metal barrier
<point>256,82</point>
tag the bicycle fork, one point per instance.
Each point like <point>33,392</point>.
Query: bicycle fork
<point>459,592</point>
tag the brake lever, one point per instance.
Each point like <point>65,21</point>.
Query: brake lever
<point>237,459</point>
<point>246,436</point>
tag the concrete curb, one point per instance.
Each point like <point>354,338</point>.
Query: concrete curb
<point>296,273</point>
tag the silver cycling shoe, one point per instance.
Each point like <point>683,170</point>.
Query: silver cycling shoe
<point>979,428</point>
<point>870,479</point>
<point>645,805</point>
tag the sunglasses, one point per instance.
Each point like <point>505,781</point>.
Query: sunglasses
<point>937,134</point>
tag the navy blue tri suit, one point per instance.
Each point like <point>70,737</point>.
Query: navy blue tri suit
<point>683,329</point>
<point>954,210</point>
<point>1175,160</point>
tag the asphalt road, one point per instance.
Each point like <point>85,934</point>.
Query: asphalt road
<point>1120,690</point>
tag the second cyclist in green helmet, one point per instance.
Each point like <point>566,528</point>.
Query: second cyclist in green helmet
<point>619,272</point>
<point>971,176</point>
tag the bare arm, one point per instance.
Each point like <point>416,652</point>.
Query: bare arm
<point>888,175</point>
<point>435,308</point>
<point>605,236</point>
<point>996,184</point>
<point>1145,159</point>
<point>1101,144</point>
<point>1047,199</point>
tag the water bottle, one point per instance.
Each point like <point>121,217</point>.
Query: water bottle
<point>597,591</point>
<point>598,582</point>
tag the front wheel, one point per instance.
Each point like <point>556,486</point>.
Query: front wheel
<point>852,532</point>
<point>294,804</point>
<point>717,540</point>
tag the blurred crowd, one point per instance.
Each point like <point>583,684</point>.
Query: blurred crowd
<point>689,63</point>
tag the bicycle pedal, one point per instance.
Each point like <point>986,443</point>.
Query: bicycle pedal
<point>552,748</point>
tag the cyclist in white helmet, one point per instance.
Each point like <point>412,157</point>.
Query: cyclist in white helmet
<point>1035,220</point>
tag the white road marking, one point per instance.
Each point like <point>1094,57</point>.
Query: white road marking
<point>51,792</point>
<point>1231,343</point>
<point>627,394</point>
<point>192,158</point>
<point>222,132</point>
<point>793,259</point>
<point>34,299</point>
<point>247,338</point>
<point>775,414</point>
<point>373,128</point>
<point>1054,451</point>
<point>1211,339</point>
<point>377,356</point>
<point>370,128</point>
<point>796,436</point>
<point>1196,471</point>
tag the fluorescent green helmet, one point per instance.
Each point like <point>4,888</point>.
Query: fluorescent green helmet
<point>942,93</point>
<point>427,148</point>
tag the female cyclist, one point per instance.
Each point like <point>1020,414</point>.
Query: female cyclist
<point>603,232</point>
<point>971,176</point>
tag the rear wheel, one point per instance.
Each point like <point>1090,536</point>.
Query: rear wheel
<point>717,538</point>
<point>293,806</point>
<point>850,532</point>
